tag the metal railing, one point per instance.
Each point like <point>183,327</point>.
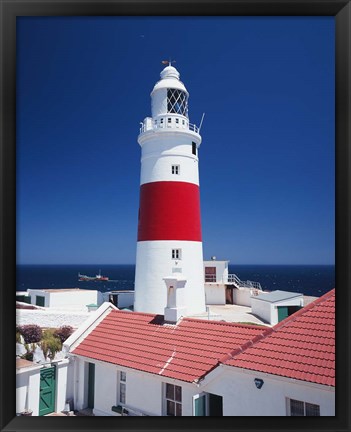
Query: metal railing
<point>163,123</point>
<point>244,284</point>
<point>233,278</point>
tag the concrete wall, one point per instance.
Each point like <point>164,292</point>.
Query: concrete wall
<point>27,390</point>
<point>269,311</point>
<point>242,297</point>
<point>47,318</point>
<point>214,294</point>
<point>242,398</point>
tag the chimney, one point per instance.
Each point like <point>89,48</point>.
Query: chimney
<point>175,308</point>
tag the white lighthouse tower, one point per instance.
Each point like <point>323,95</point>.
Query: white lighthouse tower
<point>169,247</point>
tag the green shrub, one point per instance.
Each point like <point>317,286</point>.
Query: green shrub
<point>18,337</point>
<point>50,344</point>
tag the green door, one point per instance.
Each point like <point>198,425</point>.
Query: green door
<point>91,385</point>
<point>40,301</point>
<point>200,406</point>
<point>282,313</point>
<point>47,390</point>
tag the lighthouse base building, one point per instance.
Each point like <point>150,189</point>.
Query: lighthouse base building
<point>204,368</point>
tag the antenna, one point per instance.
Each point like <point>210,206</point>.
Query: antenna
<point>202,119</point>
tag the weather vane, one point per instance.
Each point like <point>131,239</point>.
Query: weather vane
<point>168,62</point>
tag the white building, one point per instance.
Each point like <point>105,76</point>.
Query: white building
<point>223,288</point>
<point>197,367</point>
<point>169,229</point>
<point>275,306</point>
<point>65,298</point>
<point>41,388</point>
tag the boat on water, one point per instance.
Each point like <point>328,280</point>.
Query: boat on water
<point>98,277</point>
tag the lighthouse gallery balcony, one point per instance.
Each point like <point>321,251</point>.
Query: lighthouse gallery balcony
<point>167,122</point>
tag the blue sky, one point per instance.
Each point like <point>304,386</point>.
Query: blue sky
<point>266,85</point>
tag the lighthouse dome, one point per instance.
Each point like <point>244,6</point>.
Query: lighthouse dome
<point>170,72</point>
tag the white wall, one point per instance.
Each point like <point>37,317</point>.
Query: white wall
<point>73,299</point>
<point>144,392</point>
<point>27,390</point>
<point>105,389</point>
<point>47,318</point>
<point>242,398</point>
<point>215,294</point>
<point>61,384</point>
<point>242,297</point>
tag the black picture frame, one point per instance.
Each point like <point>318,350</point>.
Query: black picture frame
<point>10,9</point>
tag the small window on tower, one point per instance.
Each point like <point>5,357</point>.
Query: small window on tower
<point>177,120</point>
<point>175,169</point>
<point>176,254</point>
<point>169,119</point>
<point>161,121</point>
<point>194,148</point>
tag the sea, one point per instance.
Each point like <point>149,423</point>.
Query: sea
<point>310,280</point>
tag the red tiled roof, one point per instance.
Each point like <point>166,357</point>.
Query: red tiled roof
<point>186,351</point>
<point>302,346</point>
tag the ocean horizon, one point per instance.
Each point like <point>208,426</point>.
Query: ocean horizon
<point>311,280</point>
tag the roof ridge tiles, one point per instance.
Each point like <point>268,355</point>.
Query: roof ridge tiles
<point>246,345</point>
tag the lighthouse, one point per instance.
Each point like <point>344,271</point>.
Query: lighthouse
<point>169,257</point>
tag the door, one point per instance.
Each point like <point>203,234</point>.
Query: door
<point>229,295</point>
<point>47,390</point>
<point>199,405</point>
<point>91,385</point>
<point>282,313</point>
<point>40,301</point>
<point>215,405</point>
<point>208,404</point>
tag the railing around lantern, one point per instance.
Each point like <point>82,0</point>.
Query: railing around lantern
<point>166,122</point>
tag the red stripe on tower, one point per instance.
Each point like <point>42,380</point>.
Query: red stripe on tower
<point>169,211</point>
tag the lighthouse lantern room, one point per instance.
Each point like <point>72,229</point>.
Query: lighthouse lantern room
<point>169,227</point>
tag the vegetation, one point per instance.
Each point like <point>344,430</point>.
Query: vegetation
<point>50,344</point>
<point>64,332</point>
<point>49,340</point>
<point>31,333</point>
